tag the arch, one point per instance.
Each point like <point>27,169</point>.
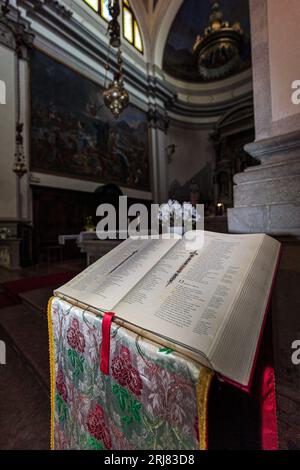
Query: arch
<point>165,14</point>
<point>142,18</point>
<point>2,92</point>
<point>238,113</point>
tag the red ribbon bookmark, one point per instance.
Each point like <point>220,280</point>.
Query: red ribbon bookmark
<point>105,346</point>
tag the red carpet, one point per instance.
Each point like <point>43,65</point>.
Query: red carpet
<point>11,289</point>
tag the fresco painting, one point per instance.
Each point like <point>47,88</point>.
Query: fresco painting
<point>74,135</point>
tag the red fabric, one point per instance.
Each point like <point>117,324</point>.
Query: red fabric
<point>268,412</point>
<point>243,421</point>
<point>105,345</point>
<point>266,391</point>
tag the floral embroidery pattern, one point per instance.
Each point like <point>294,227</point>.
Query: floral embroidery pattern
<point>75,337</point>
<point>149,400</point>
<point>97,427</point>
<point>128,404</point>
<point>125,374</point>
<point>61,386</point>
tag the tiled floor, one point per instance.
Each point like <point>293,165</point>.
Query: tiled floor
<point>22,401</point>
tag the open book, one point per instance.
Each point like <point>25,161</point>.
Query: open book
<point>209,304</point>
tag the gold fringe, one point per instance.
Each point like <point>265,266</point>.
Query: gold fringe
<point>203,387</point>
<point>52,371</point>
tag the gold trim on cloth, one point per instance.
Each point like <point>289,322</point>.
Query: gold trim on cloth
<point>52,372</point>
<point>203,387</point>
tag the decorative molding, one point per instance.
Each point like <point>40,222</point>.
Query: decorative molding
<point>54,5</point>
<point>59,9</point>
<point>81,38</point>
<point>15,32</point>
<point>158,87</point>
<point>158,120</point>
<point>203,111</point>
<point>237,119</point>
<point>278,147</point>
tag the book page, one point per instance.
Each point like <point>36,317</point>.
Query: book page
<point>108,280</point>
<point>187,295</point>
<point>234,353</point>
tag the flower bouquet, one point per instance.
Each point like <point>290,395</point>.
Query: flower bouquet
<point>178,218</point>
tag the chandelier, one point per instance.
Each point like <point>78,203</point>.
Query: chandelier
<point>115,97</point>
<point>218,50</point>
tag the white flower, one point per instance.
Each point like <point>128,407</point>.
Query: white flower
<point>164,212</point>
<point>174,210</point>
<point>187,211</point>
<point>196,215</point>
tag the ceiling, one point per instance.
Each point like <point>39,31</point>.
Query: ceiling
<point>190,21</point>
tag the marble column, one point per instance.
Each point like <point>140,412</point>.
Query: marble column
<point>267,197</point>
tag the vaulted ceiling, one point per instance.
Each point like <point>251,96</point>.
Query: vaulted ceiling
<point>191,21</point>
<point>170,28</point>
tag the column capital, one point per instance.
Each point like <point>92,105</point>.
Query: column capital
<point>15,32</point>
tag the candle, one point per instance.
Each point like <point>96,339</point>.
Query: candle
<point>220,209</point>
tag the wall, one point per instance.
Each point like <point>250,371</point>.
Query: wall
<point>193,159</point>
<point>58,37</point>
<point>8,194</point>
<point>81,44</point>
<point>87,59</point>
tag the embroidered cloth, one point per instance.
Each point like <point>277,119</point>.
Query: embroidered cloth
<point>152,399</point>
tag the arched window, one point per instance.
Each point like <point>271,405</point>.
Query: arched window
<point>131,29</point>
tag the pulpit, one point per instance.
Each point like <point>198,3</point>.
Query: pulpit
<point>151,397</point>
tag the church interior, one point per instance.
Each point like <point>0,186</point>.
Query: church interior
<point>207,112</point>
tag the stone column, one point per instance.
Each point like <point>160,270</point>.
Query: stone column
<point>267,197</point>
<point>158,124</point>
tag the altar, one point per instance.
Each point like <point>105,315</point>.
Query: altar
<point>95,249</point>
<point>90,245</point>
